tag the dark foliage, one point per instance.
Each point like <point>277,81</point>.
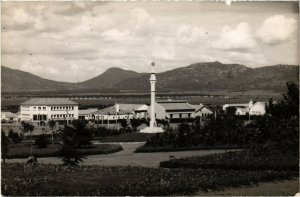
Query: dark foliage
<point>42,141</point>
<point>70,155</point>
<point>15,137</point>
<point>262,158</point>
<point>4,146</point>
<point>23,151</point>
<point>74,137</point>
<point>279,126</point>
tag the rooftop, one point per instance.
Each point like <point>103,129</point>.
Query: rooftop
<point>87,111</point>
<point>173,106</point>
<point>48,101</point>
<point>124,109</point>
<point>9,114</point>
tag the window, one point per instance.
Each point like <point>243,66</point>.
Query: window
<point>180,115</point>
<point>39,108</point>
<point>44,108</point>
<point>171,115</point>
<point>189,115</point>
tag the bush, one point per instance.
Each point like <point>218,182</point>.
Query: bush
<point>14,136</point>
<point>71,156</point>
<point>42,141</point>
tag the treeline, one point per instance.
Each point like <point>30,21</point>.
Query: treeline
<point>279,127</point>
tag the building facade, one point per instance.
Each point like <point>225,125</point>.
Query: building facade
<point>115,112</point>
<point>202,111</point>
<point>45,109</point>
<point>173,109</point>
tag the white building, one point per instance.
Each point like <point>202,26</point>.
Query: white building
<point>170,109</point>
<point>202,111</point>
<point>241,105</point>
<point>45,109</point>
<point>87,114</point>
<point>115,112</point>
<point>257,108</point>
<point>9,117</point>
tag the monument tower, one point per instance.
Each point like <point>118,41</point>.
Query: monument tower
<point>152,127</point>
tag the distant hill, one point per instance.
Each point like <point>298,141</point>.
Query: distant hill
<point>13,80</point>
<point>209,76</point>
<point>109,78</point>
<point>214,76</point>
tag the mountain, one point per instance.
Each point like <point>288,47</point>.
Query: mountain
<point>209,76</point>
<point>109,78</point>
<point>13,80</point>
<point>213,76</point>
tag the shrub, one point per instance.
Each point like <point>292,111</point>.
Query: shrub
<point>71,156</point>
<point>14,136</point>
<point>42,141</point>
<point>4,146</point>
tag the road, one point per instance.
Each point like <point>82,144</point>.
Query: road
<point>127,157</point>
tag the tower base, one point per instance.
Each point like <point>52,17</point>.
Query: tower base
<point>152,130</point>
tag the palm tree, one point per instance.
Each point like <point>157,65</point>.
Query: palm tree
<point>52,124</point>
<point>27,127</point>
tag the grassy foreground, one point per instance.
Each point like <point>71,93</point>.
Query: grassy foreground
<point>249,159</point>
<point>51,180</point>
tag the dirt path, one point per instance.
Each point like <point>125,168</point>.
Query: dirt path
<point>128,157</point>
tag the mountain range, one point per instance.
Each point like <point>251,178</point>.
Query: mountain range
<point>208,76</point>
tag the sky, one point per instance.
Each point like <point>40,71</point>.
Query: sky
<point>74,41</point>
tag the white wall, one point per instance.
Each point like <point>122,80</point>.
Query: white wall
<point>258,109</point>
<point>52,112</point>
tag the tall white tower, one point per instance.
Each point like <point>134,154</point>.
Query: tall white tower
<point>152,83</point>
<point>152,127</point>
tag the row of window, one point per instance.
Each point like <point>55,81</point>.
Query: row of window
<point>62,108</point>
<point>180,115</point>
<point>54,108</point>
<point>62,115</point>
<point>39,117</point>
<point>39,108</point>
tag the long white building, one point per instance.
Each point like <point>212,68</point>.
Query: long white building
<point>45,109</point>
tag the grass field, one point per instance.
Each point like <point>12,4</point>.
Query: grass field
<point>51,180</point>
<point>276,188</point>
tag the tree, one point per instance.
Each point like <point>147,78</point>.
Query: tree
<point>135,123</point>
<point>4,146</point>
<point>52,124</point>
<point>14,136</point>
<point>74,137</point>
<point>69,153</point>
<point>230,111</point>
<point>291,99</point>
<point>27,127</point>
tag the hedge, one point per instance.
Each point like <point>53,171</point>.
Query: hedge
<point>148,149</point>
<point>53,150</point>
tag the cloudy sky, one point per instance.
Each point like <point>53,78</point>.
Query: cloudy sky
<point>75,41</point>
